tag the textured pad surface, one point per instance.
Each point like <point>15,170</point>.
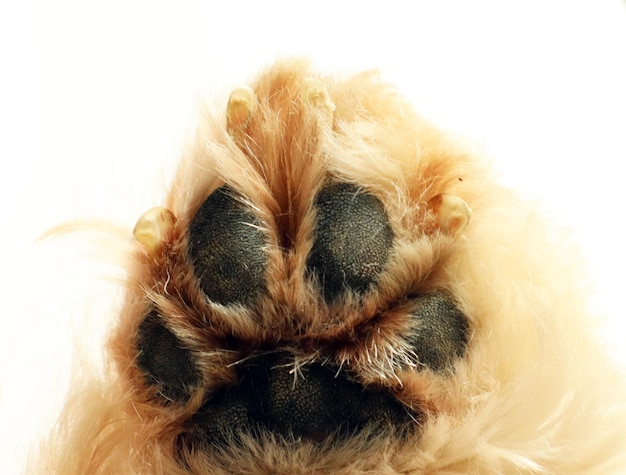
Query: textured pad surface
<point>440,331</point>
<point>226,249</point>
<point>164,360</point>
<point>352,239</point>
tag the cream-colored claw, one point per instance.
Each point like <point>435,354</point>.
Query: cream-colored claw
<point>153,227</point>
<point>453,213</point>
<point>241,106</point>
<point>316,93</point>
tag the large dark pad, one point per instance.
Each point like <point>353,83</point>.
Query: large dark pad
<point>352,239</point>
<point>226,249</point>
<point>314,405</point>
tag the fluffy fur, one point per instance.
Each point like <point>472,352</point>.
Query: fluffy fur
<point>534,393</point>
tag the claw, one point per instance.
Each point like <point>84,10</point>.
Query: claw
<point>316,93</point>
<point>241,106</point>
<point>153,227</point>
<point>453,213</point>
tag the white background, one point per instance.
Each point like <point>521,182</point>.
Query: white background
<point>95,98</point>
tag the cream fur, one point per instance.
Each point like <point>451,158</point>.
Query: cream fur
<point>534,393</point>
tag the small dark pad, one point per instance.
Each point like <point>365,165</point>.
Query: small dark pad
<point>164,360</point>
<point>440,331</point>
<point>226,249</point>
<point>352,239</point>
<point>317,404</point>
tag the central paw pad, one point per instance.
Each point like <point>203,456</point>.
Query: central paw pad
<point>314,402</point>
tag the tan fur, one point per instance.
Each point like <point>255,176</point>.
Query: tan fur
<point>533,394</point>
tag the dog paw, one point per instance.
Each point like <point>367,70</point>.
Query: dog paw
<point>287,293</point>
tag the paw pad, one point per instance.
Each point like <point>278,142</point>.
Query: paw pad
<point>439,331</point>
<point>352,240</point>
<point>315,404</point>
<point>226,249</point>
<point>164,360</point>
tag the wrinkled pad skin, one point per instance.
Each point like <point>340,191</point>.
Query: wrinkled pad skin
<point>352,239</point>
<point>226,249</point>
<point>315,404</point>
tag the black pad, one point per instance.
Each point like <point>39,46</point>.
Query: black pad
<point>440,331</point>
<point>318,404</point>
<point>352,239</point>
<point>226,249</point>
<point>164,360</point>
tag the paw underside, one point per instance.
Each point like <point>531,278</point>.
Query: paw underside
<point>351,245</point>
